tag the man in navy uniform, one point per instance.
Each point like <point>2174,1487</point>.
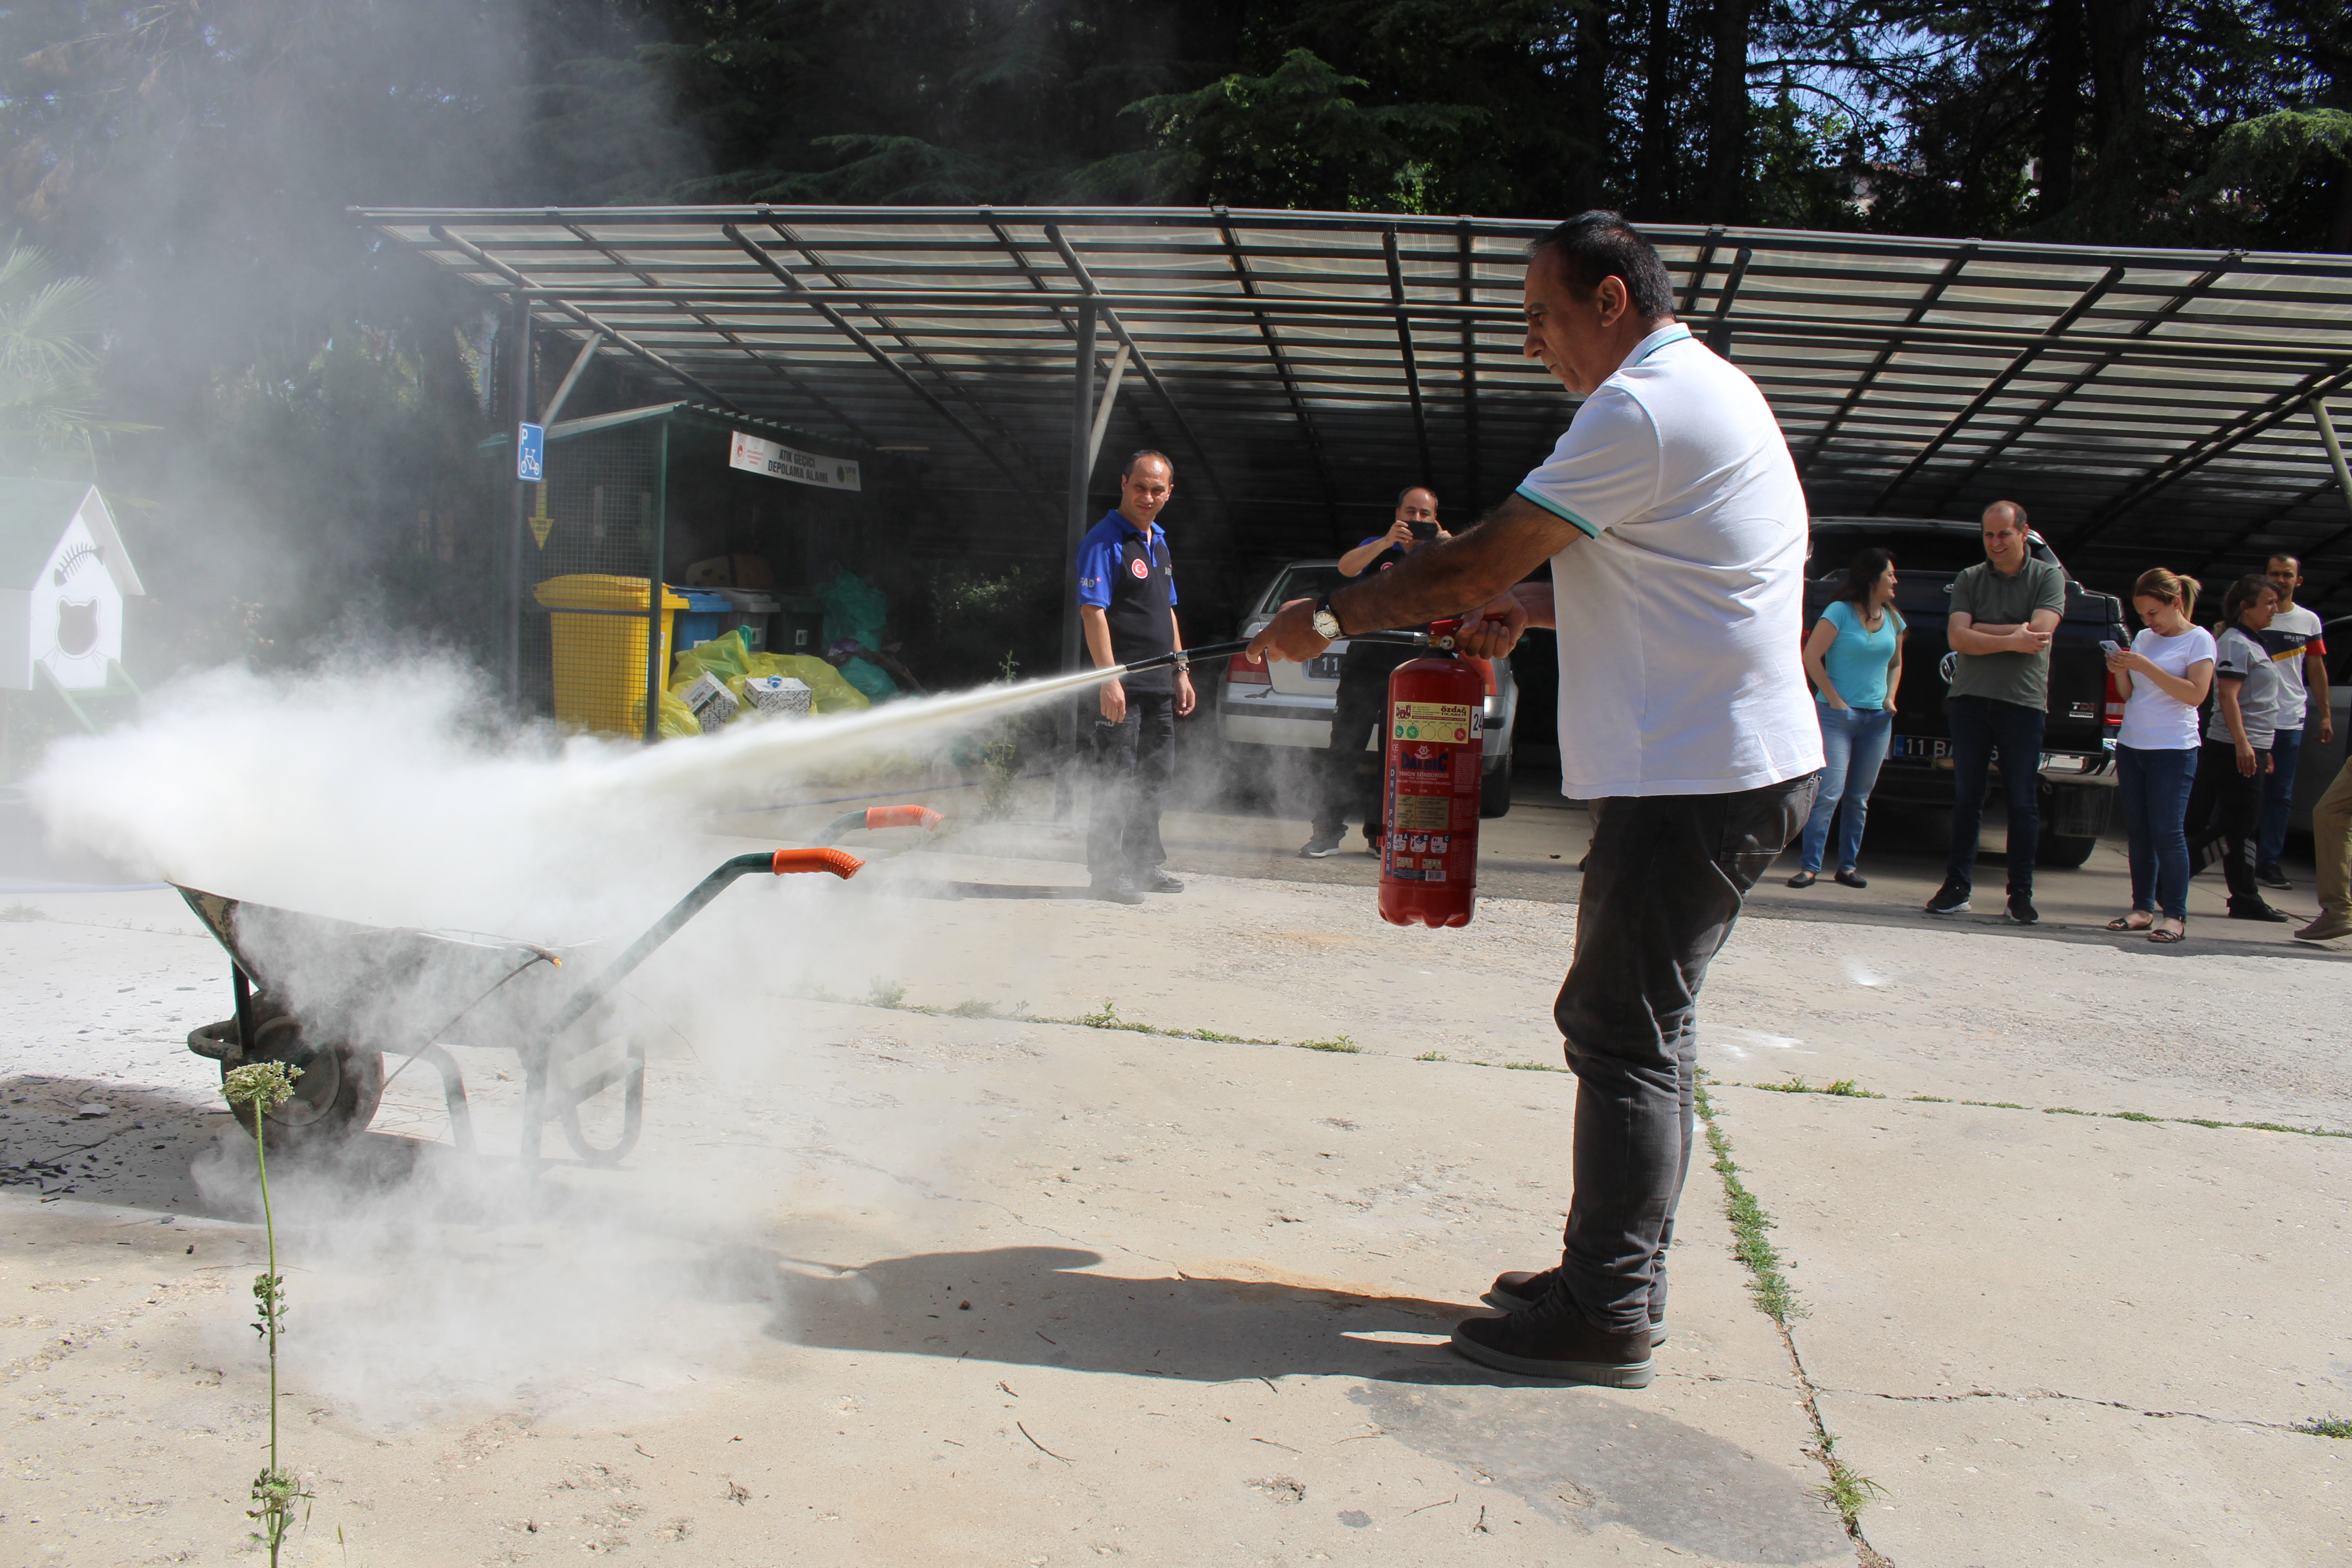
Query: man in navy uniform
<point>1364,672</point>
<point>1127,605</point>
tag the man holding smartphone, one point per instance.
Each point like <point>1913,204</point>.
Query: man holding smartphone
<point>1364,672</point>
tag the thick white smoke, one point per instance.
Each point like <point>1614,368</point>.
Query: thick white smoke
<point>427,1280</point>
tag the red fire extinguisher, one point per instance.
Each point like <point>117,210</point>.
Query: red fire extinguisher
<point>1435,740</point>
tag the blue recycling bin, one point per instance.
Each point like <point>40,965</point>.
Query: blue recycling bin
<point>705,617</point>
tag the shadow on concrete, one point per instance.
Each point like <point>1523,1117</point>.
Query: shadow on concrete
<point>1572,1457</point>
<point>102,1141</point>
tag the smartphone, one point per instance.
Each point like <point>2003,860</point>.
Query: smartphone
<point>1424,532</point>
<point>2110,649</point>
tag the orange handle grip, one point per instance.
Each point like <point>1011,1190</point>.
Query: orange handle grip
<point>840,862</point>
<point>902,817</point>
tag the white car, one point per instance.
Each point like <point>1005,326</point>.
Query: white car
<point>1279,704</point>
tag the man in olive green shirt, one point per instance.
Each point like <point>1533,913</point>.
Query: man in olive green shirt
<point>2003,612</point>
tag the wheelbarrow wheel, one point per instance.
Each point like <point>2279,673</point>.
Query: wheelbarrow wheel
<point>335,1095</point>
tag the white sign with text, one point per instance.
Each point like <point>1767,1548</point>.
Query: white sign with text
<point>781,462</point>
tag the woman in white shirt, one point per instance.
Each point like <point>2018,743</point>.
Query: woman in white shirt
<point>2164,676</point>
<point>2227,802</point>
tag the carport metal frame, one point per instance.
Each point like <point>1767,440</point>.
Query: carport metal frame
<point>2148,405</point>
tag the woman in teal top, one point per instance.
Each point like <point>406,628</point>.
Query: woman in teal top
<point>1855,656</point>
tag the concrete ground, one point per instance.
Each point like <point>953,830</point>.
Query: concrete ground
<point>959,1266</point>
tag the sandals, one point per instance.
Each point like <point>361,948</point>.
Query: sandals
<point>2124,922</point>
<point>2166,938</point>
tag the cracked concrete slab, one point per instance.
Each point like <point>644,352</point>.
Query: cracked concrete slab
<point>2026,1289</point>
<point>877,1286</point>
<point>2006,1481</point>
<point>1217,1276</point>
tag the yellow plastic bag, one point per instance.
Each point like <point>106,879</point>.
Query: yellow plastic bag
<point>722,657</point>
<point>675,718</point>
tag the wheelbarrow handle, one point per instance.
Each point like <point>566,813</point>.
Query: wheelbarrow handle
<point>902,817</point>
<point>840,862</point>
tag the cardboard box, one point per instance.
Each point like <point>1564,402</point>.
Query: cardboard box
<point>712,703</point>
<point>731,572</point>
<point>780,694</point>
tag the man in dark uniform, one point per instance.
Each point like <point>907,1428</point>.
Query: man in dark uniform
<point>1127,605</point>
<point>1364,672</point>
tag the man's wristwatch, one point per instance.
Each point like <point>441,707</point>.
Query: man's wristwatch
<point>1327,625</point>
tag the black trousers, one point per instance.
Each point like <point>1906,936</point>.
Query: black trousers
<point>1133,762</point>
<point>1361,707</point>
<point>1663,886</point>
<point>1981,726</point>
<point>2225,804</point>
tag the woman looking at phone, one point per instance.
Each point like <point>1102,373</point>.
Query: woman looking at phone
<point>2227,801</point>
<point>2164,676</point>
<point>1855,658</point>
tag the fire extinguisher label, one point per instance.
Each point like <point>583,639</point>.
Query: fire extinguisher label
<point>1423,813</point>
<point>1450,724</point>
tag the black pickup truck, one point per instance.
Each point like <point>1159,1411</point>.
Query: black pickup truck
<point>2078,780</point>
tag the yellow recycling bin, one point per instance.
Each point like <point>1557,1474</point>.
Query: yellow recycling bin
<point>600,659</point>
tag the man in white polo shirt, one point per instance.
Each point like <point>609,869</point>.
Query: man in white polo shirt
<point>1674,526</point>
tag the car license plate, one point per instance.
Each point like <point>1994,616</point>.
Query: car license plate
<point>1921,746</point>
<point>1324,666</point>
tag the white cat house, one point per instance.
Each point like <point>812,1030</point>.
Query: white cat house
<point>63,576</point>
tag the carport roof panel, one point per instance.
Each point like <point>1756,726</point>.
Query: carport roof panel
<point>2146,403</point>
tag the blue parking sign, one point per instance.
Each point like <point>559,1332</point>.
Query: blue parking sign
<point>531,453</point>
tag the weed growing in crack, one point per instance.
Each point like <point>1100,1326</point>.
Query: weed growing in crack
<point>1749,1222</point>
<point>1846,1491</point>
<point>2326,1427</point>
<point>20,912</point>
<point>886,994</point>
<point>1533,1066</point>
<point>2132,1116</point>
<point>1430,1056</point>
<point>264,1086</point>
<point>1339,1043</point>
<point>1844,1089</point>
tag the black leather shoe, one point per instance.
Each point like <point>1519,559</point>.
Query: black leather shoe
<point>1522,1289</point>
<point>1803,879</point>
<point>2256,909</point>
<point>1117,892</point>
<point>1851,879</point>
<point>1553,1340</point>
<point>1158,880</point>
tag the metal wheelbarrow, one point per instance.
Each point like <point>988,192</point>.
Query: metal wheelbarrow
<point>334,998</point>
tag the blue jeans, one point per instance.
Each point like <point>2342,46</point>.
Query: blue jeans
<point>2155,786</point>
<point>1981,726</point>
<point>2278,796</point>
<point>1854,744</point>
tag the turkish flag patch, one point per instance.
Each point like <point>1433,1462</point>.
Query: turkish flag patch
<point>1139,568</point>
